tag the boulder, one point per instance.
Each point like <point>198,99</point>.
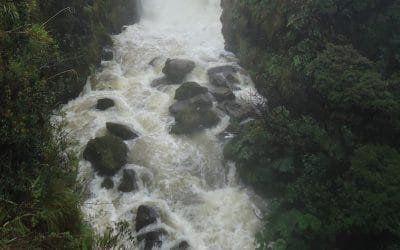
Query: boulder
<point>153,239</point>
<point>188,90</point>
<point>121,131</point>
<point>177,69</point>
<point>107,154</point>
<point>105,103</point>
<point>223,76</point>
<point>145,216</point>
<point>129,181</point>
<point>182,245</point>
<point>193,114</point>
<point>107,183</point>
<point>223,94</point>
<point>238,111</point>
<point>197,103</point>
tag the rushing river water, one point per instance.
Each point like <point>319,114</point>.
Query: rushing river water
<point>186,177</point>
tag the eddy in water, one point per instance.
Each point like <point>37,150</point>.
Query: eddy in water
<point>150,131</point>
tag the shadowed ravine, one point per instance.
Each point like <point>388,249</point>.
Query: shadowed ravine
<point>184,176</point>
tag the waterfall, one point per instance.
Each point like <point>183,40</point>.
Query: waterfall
<point>184,176</point>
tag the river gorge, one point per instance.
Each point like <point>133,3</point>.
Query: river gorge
<point>196,194</point>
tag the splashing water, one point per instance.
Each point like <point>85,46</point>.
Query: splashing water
<point>184,176</point>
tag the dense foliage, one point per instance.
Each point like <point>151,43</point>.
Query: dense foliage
<point>327,153</point>
<point>47,50</point>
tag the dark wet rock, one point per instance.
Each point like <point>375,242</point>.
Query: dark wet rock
<point>145,216</point>
<point>223,76</point>
<point>223,94</point>
<point>182,245</point>
<point>238,111</point>
<point>188,90</point>
<point>105,103</point>
<point>193,114</point>
<point>153,239</point>
<point>197,103</point>
<point>121,131</point>
<point>107,183</point>
<point>177,69</point>
<point>162,81</point>
<point>129,181</point>
<point>107,154</point>
<point>107,54</point>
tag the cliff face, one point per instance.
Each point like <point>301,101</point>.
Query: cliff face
<point>81,30</point>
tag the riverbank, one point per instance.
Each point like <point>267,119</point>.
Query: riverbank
<point>48,49</point>
<point>327,151</point>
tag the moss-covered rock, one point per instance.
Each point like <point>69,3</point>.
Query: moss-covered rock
<point>107,154</point>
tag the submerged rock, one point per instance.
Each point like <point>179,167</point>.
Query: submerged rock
<point>183,245</point>
<point>177,69</point>
<point>107,183</point>
<point>105,103</point>
<point>188,90</point>
<point>153,239</point>
<point>153,61</point>
<point>162,81</point>
<point>145,216</point>
<point>121,131</point>
<point>107,154</point>
<point>129,181</point>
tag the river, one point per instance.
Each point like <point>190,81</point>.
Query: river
<point>199,195</point>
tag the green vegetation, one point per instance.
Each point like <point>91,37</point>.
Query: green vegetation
<point>48,49</point>
<point>327,151</point>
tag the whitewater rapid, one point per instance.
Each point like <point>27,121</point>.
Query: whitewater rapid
<point>186,177</point>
